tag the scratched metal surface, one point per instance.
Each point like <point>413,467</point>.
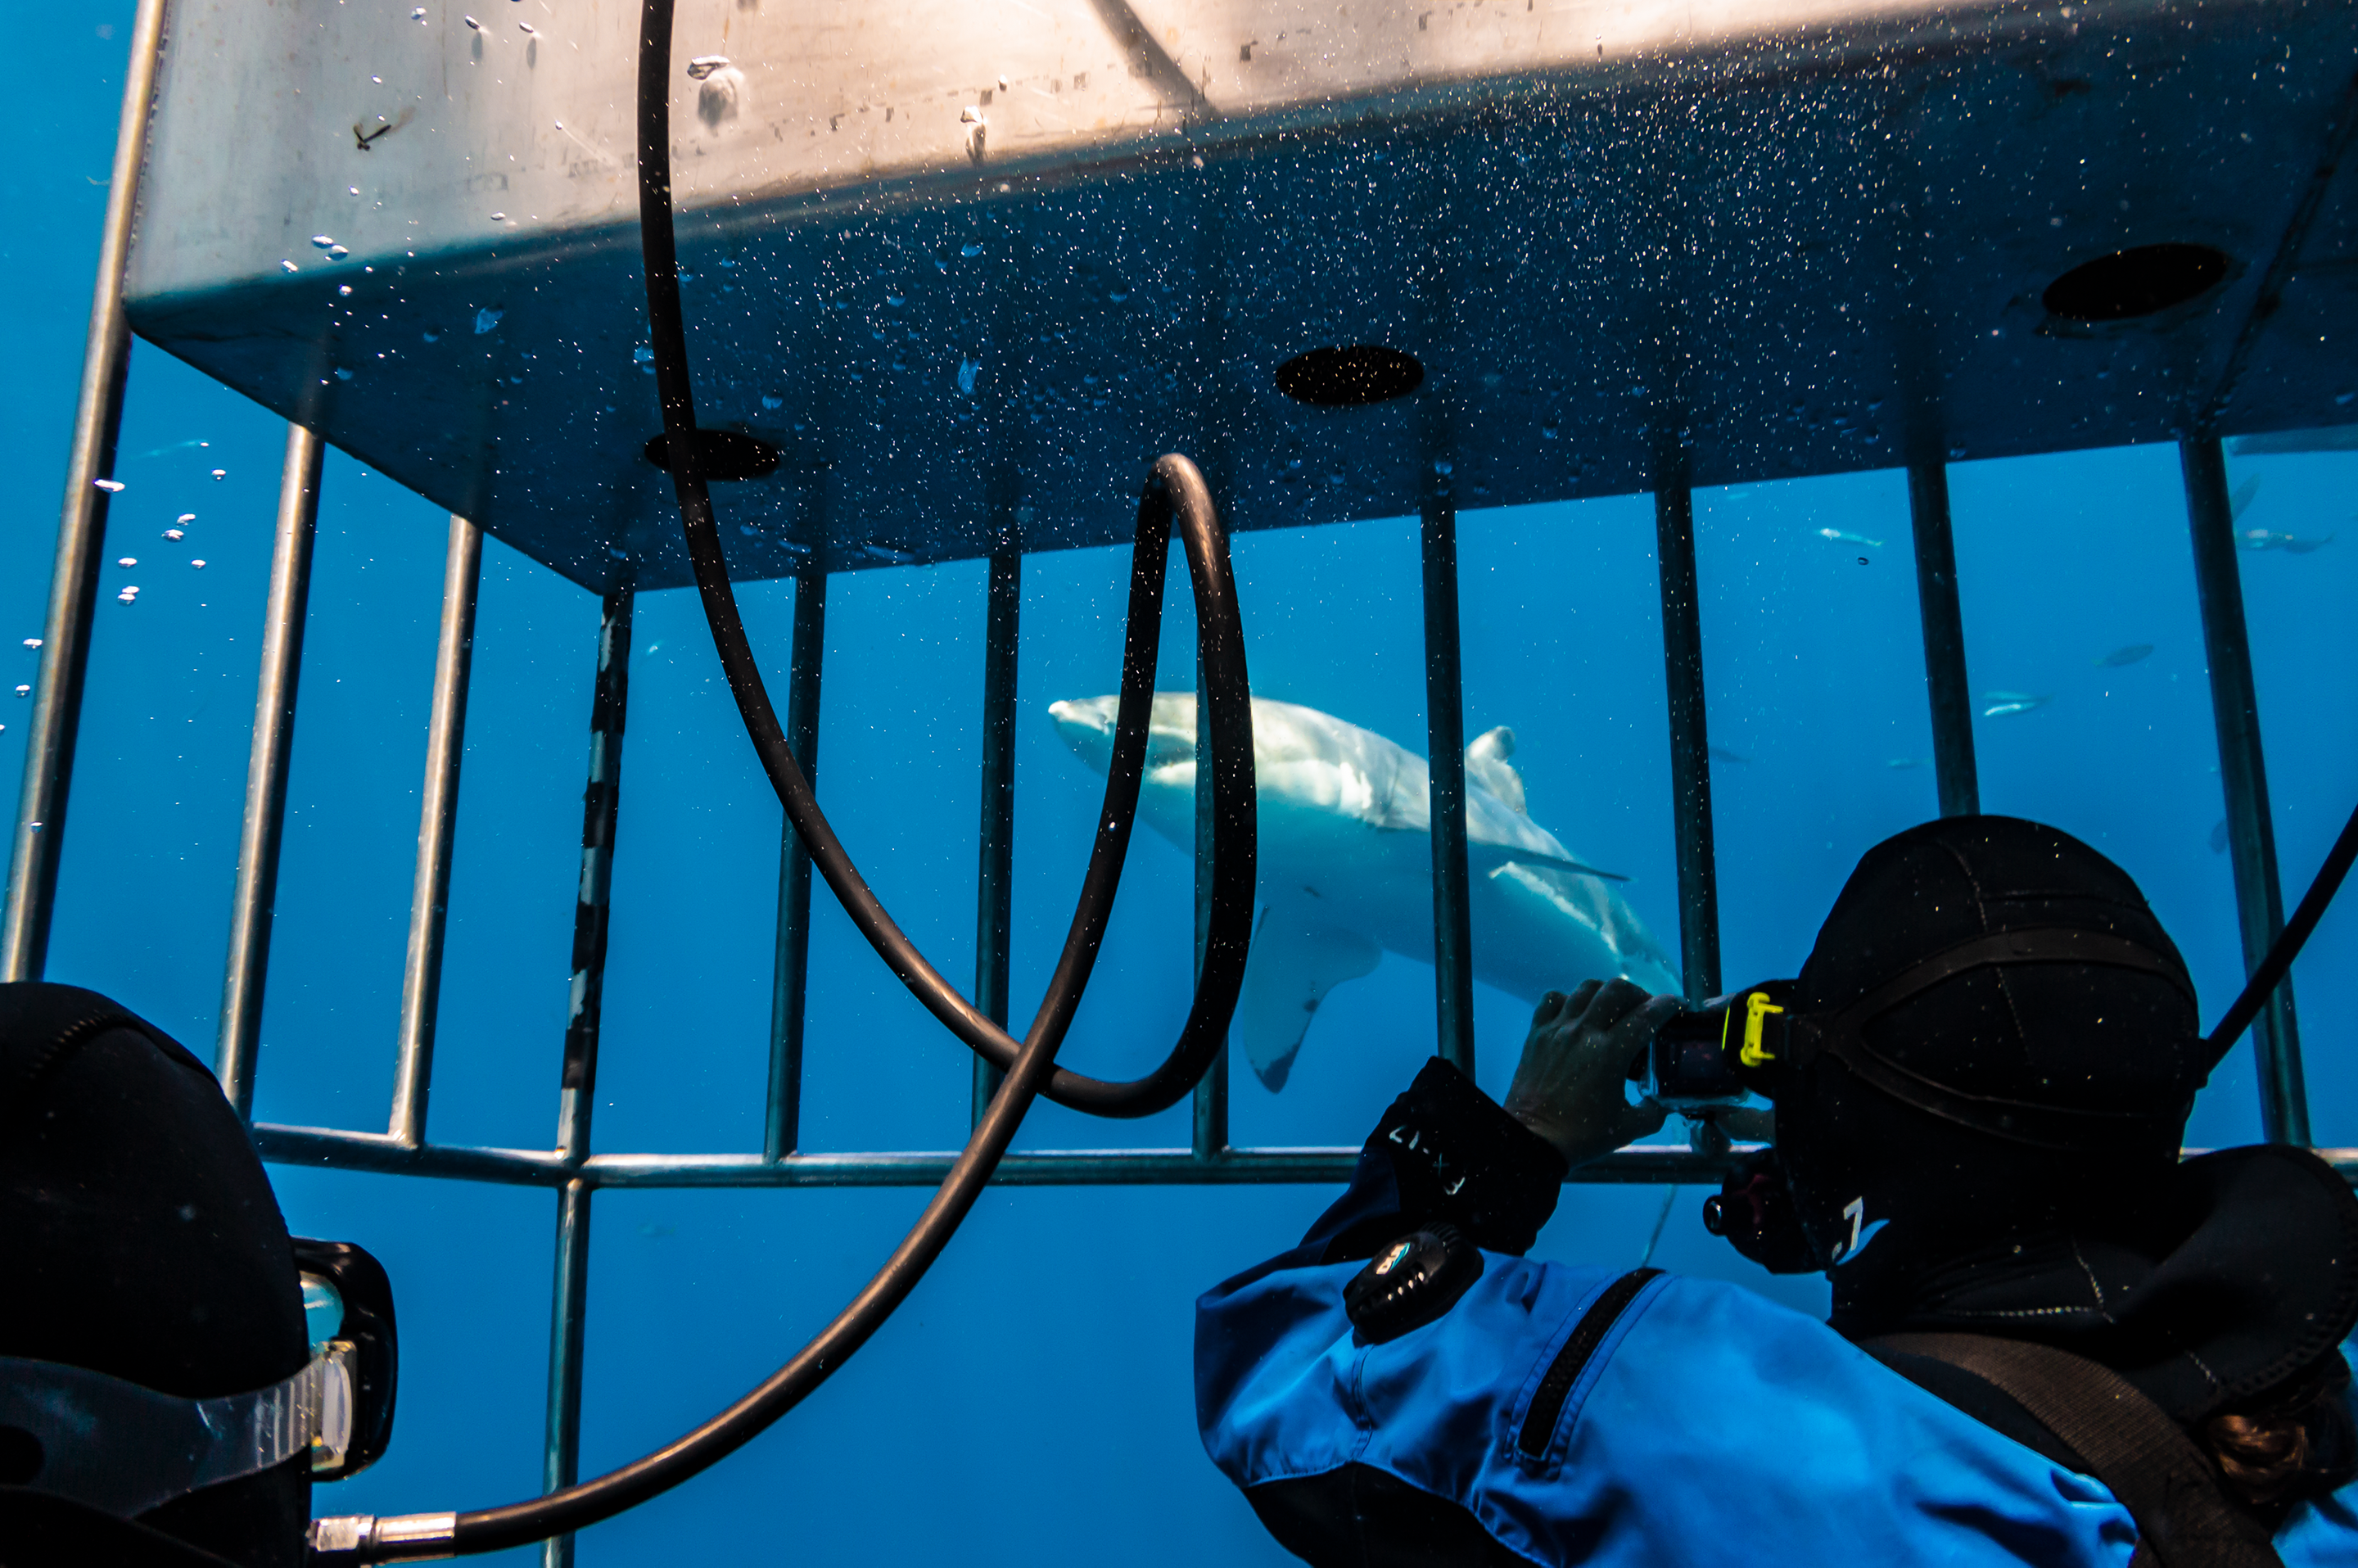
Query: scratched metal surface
<point>971,266</point>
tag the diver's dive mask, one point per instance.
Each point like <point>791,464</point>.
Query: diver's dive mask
<point>1759,1041</point>
<point>111,1445</point>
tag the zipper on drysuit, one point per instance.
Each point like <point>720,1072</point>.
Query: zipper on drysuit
<point>1547,1404</point>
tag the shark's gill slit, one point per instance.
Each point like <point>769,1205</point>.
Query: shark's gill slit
<point>1174,494</point>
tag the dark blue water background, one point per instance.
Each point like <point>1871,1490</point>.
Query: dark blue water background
<point>1032,1403</point>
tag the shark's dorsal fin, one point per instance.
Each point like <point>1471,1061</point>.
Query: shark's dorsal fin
<point>1295,960</point>
<point>1487,764</point>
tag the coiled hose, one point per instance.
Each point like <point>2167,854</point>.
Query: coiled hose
<point>1175,493</point>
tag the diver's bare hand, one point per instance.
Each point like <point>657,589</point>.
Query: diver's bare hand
<point>1568,1088</point>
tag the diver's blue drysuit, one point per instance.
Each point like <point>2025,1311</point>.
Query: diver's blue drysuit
<point>1698,1423</point>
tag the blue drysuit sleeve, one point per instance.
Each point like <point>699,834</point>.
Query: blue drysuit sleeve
<point>1444,1151</point>
<point>1705,1424</point>
<point>1697,1423</point>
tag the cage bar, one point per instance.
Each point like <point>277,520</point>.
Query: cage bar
<point>56,719</point>
<point>284,612</point>
<point>1445,719</point>
<point>437,830</point>
<point>790,967</point>
<point>602,808</point>
<point>994,914</point>
<point>2242,778</point>
<point>1690,746</point>
<point>1947,692</point>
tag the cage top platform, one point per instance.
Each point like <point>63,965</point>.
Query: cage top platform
<point>960,271</point>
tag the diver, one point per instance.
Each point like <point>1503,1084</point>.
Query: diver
<point>176,1371</point>
<point>2053,1342</point>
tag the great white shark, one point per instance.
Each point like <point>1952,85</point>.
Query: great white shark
<point>1346,854</point>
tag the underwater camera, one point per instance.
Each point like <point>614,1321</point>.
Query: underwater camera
<point>1718,1056</point>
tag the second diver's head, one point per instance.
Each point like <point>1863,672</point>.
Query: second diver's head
<point>2011,1052</point>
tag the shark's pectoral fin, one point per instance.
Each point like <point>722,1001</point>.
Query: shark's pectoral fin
<point>1295,961</point>
<point>1486,858</point>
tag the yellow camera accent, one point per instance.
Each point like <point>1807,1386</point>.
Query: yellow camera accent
<point>1757,1007</point>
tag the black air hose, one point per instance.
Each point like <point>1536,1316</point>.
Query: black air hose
<point>2277,962</point>
<point>1174,491</point>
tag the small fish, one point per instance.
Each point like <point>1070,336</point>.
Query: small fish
<point>175,447</point>
<point>2246,494</point>
<point>1897,762</point>
<point>2218,838</point>
<point>2004,702</point>
<point>1722,754</point>
<point>2291,544</point>
<point>2131,654</point>
<point>1841,537</point>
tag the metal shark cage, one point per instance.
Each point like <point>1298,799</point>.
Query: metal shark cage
<point>1437,254</point>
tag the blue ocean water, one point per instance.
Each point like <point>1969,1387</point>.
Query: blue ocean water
<point>1032,1401</point>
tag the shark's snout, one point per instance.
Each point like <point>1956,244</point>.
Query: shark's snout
<point>1087,725</point>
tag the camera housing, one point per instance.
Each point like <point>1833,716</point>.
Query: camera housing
<point>1717,1057</point>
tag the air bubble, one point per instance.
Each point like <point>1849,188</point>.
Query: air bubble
<point>112,486</point>
<point>23,691</point>
<point>198,564</point>
<point>32,642</point>
<point>184,519</point>
<point>323,241</point>
<point>128,595</point>
<point>418,15</point>
<point>499,217</point>
<point>344,288</point>
<point>337,252</point>
<point>220,474</point>
<point>127,561</point>
<point>472,23</point>
<point>175,535</point>
<point>285,266</point>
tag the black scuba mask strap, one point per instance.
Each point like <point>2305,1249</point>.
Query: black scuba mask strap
<point>2018,1122</point>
